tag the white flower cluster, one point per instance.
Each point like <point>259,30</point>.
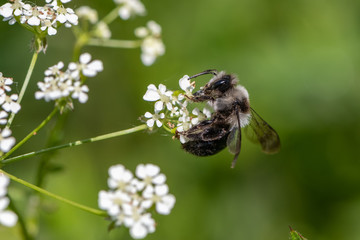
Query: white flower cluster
<point>46,18</point>
<point>130,8</point>
<point>130,198</point>
<point>7,217</point>
<point>62,84</point>
<point>172,107</point>
<point>9,105</point>
<point>152,45</point>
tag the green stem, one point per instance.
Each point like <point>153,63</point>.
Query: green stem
<point>76,143</point>
<point>114,43</point>
<point>31,134</point>
<point>57,197</point>
<point>111,16</point>
<point>24,86</point>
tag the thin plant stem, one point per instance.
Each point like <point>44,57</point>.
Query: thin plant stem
<point>32,133</point>
<point>114,43</point>
<point>24,86</point>
<point>57,197</point>
<point>111,16</point>
<point>76,143</point>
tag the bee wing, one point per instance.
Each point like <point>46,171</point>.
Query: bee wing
<point>261,132</point>
<point>234,141</point>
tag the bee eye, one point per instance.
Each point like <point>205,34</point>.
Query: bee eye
<point>222,85</point>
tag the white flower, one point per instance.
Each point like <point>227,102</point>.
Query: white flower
<point>102,30</point>
<point>6,10</point>
<point>79,92</point>
<point>154,118</point>
<point>184,122</point>
<point>129,8</point>
<point>34,20</point>
<point>89,69</point>
<point>87,13</point>
<point>151,49</point>
<point>3,117</point>
<point>120,178</point>
<point>66,15</point>
<point>9,103</point>
<point>4,182</point>
<point>49,26</point>
<point>6,140</point>
<point>150,174</point>
<point>154,94</point>
<point>152,46</point>
<point>159,196</point>
<point>140,224</point>
<point>5,83</point>
<point>54,70</point>
<point>112,202</point>
<point>186,85</point>
<point>200,115</point>
<point>7,217</point>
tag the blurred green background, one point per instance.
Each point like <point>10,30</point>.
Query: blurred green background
<point>299,61</point>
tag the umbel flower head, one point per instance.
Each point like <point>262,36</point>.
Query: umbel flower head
<point>171,108</point>
<point>130,198</point>
<point>152,45</point>
<point>67,85</point>
<point>39,19</point>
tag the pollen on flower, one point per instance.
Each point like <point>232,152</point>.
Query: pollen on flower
<point>128,201</point>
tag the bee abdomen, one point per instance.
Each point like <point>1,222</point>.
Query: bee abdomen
<point>205,148</point>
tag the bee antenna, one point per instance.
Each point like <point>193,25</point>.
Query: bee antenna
<point>209,71</point>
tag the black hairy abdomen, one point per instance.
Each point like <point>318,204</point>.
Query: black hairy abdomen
<point>205,148</point>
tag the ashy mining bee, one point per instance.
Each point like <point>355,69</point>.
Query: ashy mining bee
<point>232,112</point>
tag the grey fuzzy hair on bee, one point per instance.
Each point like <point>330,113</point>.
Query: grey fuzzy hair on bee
<point>232,112</point>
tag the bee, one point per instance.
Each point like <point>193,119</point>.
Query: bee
<point>232,112</point>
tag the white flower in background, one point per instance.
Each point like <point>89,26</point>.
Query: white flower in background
<point>87,13</point>
<point>152,45</point>
<point>159,195</point>
<point>160,95</point>
<point>102,30</point>
<point>120,178</point>
<point>128,201</point>
<point>130,8</point>
<point>9,103</point>
<point>7,217</point>
<point>87,68</point>
<point>112,202</point>
<point>4,182</point>
<point>3,117</point>
<point>154,118</point>
<point>140,223</point>
<point>80,92</point>
<point>6,140</point>
<point>150,174</point>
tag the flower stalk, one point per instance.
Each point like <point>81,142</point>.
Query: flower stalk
<point>52,195</point>
<point>25,84</point>
<point>76,143</point>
